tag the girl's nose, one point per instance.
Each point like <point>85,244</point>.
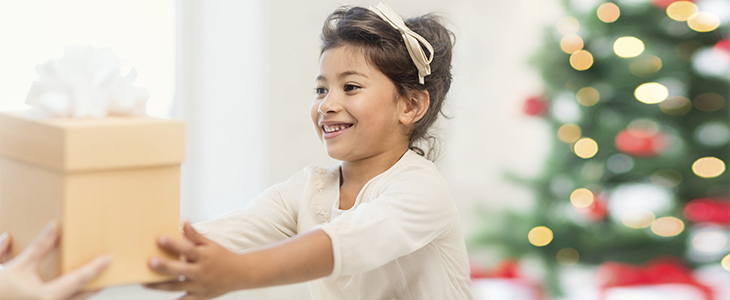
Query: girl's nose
<point>330,104</point>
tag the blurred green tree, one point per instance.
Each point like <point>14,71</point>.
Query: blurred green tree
<point>636,93</point>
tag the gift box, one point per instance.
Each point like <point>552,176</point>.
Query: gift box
<point>112,183</point>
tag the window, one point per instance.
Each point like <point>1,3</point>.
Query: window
<point>141,32</point>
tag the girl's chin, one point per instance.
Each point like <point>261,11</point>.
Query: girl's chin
<point>335,153</point>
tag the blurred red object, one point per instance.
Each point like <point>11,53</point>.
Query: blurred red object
<point>597,211</point>
<point>665,3</point>
<point>640,143</point>
<point>723,46</point>
<point>505,269</point>
<point>706,210</point>
<point>666,270</point>
<point>504,281</point>
<point>535,106</point>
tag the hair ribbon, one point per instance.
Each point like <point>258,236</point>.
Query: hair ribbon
<point>410,38</point>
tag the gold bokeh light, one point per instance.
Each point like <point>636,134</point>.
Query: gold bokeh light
<point>585,147</point>
<point>628,46</point>
<point>681,10</point>
<point>581,60</point>
<point>567,256</point>
<point>708,167</point>
<point>703,22</point>
<point>581,198</point>
<point>651,92</point>
<point>569,133</point>
<point>588,96</point>
<point>540,236</point>
<point>608,12</point>
<point>571,43</point>
<point>639,218</point>
<point>725,263</point>
<point>667,226</point>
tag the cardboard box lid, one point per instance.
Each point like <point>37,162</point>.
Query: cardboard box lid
<point>73,145</point>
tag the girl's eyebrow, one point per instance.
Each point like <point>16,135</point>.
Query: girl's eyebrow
<point>342,75</point>
<point>348,73</point>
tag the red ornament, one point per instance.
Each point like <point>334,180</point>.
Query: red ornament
<point>705,210</point>
<point>666,270</point>
<point>640,143</point>
<point>663,4</point>
<point>535,106</point>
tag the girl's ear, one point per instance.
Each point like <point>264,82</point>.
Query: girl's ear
<point>415,107</point>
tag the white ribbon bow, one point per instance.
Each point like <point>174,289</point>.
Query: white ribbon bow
<point>410,38</point>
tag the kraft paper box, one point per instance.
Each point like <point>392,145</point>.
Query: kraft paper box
<point>112,184</point>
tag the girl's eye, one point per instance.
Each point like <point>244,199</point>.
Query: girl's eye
<point>351,87</point>
<point>320,91</point>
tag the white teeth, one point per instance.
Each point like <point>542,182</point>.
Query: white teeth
<point>333,128</point>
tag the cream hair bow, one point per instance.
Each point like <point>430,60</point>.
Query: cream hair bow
<point>410,38</point>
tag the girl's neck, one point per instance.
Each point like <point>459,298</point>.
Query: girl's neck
<point>361,171</point>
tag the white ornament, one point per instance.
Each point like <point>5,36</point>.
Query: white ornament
<point>629,199</point>
<point>565,109</point>
<point>708,243</point>
<point>711,62</point>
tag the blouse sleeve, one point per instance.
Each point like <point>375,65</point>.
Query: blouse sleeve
<point>406,214</point>
<point>269,218</point>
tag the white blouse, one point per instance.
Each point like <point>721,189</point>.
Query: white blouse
<point>401,240</point>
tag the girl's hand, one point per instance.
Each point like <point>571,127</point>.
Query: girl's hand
<point>20,280</point>
<point>206,270</point>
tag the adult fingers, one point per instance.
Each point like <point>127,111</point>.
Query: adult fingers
<point>41,246</point>
<point>176,246</point>
<point>192,235</point>
<point>71,282</point>
<point>4,246</point>
<point>175,268</point>
<point>83,295</point>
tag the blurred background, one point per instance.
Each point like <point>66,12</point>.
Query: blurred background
<point>586,149</point>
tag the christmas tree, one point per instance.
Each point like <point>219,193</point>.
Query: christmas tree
<point>636,94</point>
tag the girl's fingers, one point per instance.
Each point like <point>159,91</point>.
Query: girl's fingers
<point>71,282</point>
<point>170,286</point>
<point>190,296</point>
<point>175,268</point>
<point>176,247</point>
<point>193,235</point>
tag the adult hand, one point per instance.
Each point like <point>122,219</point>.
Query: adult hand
<point>207,270</point>
<point>20,280</point>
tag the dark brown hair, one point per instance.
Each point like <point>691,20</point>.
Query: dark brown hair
<point>384,48</point>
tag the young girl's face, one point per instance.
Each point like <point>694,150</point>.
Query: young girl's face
<point>357,109</point>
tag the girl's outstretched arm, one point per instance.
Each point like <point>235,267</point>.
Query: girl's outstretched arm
<point>209,270</point>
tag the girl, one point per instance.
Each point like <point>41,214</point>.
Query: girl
<point>382,224</point>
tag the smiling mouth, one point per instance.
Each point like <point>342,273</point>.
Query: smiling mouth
<point>335,128</point>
